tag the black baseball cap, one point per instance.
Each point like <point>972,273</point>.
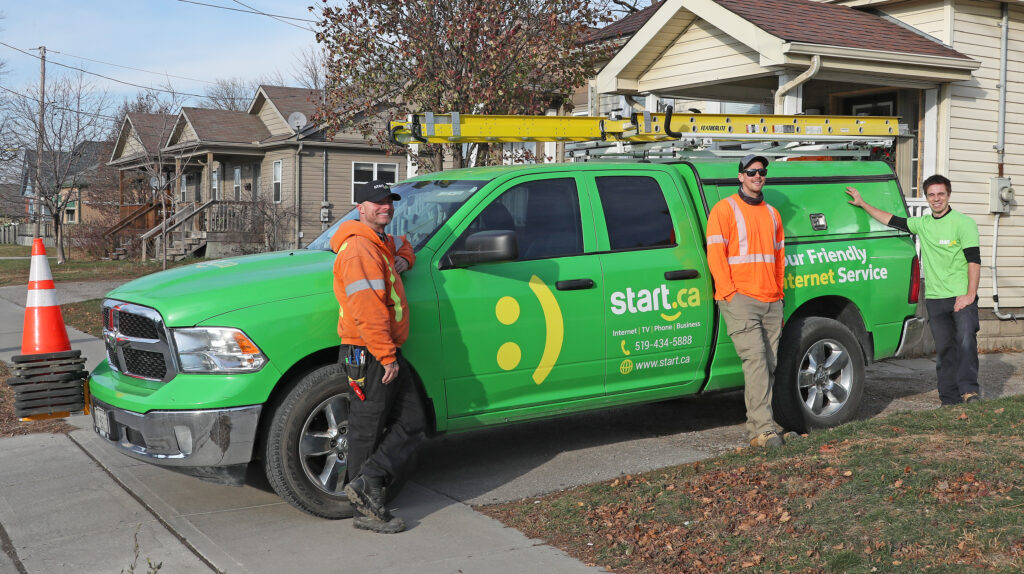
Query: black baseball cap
<point>751,158</point>
<point>375,191</point>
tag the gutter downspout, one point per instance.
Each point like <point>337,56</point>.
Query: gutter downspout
<point>298,196</point>
<point>1000,155</point>
<point>802,78</point>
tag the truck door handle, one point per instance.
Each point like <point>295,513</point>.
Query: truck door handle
<point>573,284</point>
<point>682,274</point>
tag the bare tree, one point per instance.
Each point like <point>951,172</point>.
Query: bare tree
<point>311,68</point>
<point>75,121</point>
<point>621,8</point>
<point>237,93</point>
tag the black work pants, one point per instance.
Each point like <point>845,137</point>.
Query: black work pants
<point>385,429</point>
<point>956,348</point>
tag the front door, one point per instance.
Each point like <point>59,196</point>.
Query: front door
<point>521,334</point>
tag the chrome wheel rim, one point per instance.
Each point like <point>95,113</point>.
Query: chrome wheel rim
<point>323,445</point>
<point>825,377</point>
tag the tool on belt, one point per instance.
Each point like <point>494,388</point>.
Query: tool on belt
<point>355,368</point>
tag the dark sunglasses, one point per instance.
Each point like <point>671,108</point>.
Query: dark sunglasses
<point>752,172</point>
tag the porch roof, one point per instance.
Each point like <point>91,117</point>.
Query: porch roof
<point>693,43</point>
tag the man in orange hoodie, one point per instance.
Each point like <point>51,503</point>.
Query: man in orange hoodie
<point>386,419</point>
<point>747,257</point>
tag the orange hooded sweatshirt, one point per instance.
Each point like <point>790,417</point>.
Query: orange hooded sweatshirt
<point>373,311</point>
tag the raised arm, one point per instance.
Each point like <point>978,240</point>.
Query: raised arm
<point>880,215</point>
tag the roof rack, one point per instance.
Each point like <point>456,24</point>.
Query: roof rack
<point>641,128</point>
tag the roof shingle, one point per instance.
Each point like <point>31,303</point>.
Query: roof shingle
<point>812,22</point>
<point>226,125</point>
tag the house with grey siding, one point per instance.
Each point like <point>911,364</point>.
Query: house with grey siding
<point>267,174</point>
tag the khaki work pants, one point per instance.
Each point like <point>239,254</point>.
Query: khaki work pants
<point>755,328</point>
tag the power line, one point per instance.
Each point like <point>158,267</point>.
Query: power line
<point>270,15</point>
<point>252,10</point>
<point>56,107</point>
<point>84,71</point>
<point>130,67</point>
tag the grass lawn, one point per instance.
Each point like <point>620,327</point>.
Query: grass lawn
<point>84,316</point>
<point>15,271</point>
<point>940,490</point>
<point>8,250</point>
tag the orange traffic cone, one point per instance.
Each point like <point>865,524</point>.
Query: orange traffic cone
<point>44,324</point>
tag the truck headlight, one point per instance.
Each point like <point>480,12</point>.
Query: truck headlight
<point>217,350</point>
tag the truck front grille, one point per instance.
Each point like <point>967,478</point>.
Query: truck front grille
<point>137,342</point>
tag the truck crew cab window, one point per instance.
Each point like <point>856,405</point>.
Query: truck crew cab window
<point>635,212</point>
<point>545,215</point>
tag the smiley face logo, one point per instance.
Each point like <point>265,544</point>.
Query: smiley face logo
<point>507,311</point>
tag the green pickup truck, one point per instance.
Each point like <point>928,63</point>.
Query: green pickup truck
<point>538,291</point>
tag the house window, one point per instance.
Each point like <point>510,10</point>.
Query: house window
<point>277,181</point>
<point>186,181</point>
<point>71,212</point>
<point>215,185</point>
<point>238,183</point>
<point>364,172</point>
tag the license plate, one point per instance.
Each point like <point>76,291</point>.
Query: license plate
<point>101,419</point>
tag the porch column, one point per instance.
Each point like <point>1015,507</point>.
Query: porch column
<point>177,180</point>
<point>793,101</point>
<point>120,190</point>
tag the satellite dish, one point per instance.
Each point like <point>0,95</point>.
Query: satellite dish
<point>297,121</point>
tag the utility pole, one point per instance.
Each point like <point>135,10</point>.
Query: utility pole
<point>39,138</point>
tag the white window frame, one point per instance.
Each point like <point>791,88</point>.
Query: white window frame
<point>215,184</point>
<point>185,177</point>
<point>376,166</point>
<point>276,173</point>
<point>238,183</point>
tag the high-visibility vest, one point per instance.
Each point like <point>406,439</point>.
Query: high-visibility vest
<point>746,249</point>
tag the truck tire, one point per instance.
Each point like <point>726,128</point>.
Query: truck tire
<point>307,448</point>
<point>819,381</point>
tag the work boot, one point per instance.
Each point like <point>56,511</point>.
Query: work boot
<point>393,526</point>
<point>767,439</point>
<point>971,397</point>
<point>367,496</point>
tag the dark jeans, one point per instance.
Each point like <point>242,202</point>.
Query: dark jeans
<point>385,429</point>
<point>956,348</point>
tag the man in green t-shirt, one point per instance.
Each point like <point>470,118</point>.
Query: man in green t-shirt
<point>952,264</point>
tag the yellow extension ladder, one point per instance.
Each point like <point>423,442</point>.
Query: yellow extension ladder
<point>645,127</point>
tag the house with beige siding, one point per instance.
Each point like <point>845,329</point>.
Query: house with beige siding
<point>267,175</point>
<point>950,69</point>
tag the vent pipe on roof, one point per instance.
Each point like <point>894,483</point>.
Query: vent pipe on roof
<point>797,81</point>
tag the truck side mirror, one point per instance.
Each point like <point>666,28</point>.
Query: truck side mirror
<point>485,247</point>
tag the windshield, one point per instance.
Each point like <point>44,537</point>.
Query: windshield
<point>424,206</point>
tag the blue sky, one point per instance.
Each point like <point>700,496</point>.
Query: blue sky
<point>166,36</point>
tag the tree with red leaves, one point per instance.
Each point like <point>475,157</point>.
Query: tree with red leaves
<point>387,58</point>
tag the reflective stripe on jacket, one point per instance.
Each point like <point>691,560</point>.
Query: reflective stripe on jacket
<point>746,250</point>
<point>373,312</point>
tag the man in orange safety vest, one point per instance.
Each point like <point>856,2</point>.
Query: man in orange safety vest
<point>746,254</point>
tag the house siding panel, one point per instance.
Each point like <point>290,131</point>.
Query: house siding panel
<point>928,17</point>
<point>703,53</point>
<point>973,124</point>
<point>339,184</point>
<point>273,120</point>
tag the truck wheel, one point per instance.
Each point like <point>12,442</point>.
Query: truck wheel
<point>307,447</point>
<point>819,381</point>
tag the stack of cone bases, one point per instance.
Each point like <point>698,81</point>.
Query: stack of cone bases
<point>49,378</point>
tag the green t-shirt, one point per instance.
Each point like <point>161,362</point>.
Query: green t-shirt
<point>943,241</point>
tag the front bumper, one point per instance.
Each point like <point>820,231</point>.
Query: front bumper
<point>214,444</point>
